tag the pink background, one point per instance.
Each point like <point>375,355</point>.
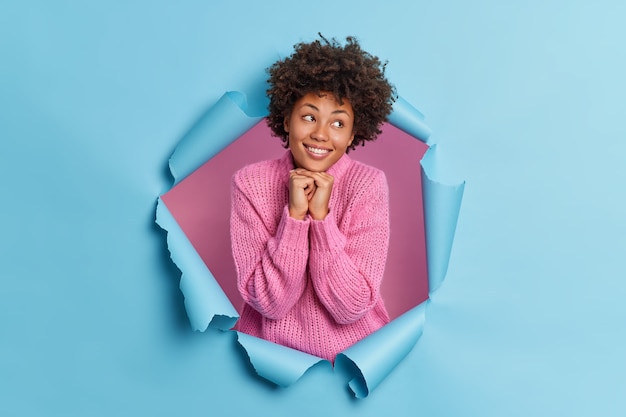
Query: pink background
<point>201,206</point>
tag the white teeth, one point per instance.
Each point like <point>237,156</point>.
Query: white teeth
<point>317,151</point>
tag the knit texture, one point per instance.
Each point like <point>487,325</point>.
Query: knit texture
<point>312,285</point>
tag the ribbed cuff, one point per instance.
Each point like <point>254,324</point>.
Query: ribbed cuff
<point>325,235</point>
<point>293,233</point>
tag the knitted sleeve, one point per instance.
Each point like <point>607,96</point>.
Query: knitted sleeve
<point>347,268</point>
<point>271,267</point>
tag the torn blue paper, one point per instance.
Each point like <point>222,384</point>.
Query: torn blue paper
<point>442,204</point>
<point>217,128</point>
<point>368,362</point>
<point>205,301</point>
<point>407,118</point>
<point>279,364</point>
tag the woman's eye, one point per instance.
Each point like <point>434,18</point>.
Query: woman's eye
<point>309,118</point>
<point>338,123</point>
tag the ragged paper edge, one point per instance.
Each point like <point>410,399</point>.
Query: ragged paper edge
<point>367,363</point>
<point>205,302</point>
<point>409,119</point>
<point>279,364</point>
<point>218,127</point>
<point>442,204</point>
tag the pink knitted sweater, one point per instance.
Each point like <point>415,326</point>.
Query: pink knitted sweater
<point>312,285</point>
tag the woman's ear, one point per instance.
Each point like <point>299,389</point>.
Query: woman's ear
<point>286,124</point>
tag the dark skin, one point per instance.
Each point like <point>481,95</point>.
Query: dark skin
<point>320,131</point>
<point>346,71</point>
<point>309,192</point>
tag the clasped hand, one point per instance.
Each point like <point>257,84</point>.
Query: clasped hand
<point>309,192</point>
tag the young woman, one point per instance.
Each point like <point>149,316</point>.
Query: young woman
<point>310,231</point>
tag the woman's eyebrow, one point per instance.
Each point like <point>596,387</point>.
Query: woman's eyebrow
<point>316,109</point>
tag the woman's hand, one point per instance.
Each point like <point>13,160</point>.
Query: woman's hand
<point>316,186</point>
<point>301,190</point>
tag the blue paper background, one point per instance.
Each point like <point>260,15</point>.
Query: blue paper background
<point>525,102</point>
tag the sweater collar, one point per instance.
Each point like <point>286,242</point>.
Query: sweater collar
<point>337,170</point>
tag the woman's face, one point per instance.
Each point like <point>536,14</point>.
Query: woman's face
<point>320,131</point>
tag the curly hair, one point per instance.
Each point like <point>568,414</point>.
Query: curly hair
<point>347,71</point>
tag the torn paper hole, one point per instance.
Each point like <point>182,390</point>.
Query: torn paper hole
<point>195,212</point>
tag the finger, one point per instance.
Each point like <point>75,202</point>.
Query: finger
<point>302,182</point>
<point>323,179</point>
<point>303,172</point>
<point>310,189</point>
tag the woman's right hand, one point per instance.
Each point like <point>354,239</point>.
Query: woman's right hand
<point>301,190</point>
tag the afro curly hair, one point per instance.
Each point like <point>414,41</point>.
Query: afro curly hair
<point>346,71</point>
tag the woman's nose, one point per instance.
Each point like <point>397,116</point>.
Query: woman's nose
<point>320,133</point>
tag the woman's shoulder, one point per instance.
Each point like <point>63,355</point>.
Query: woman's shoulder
<point>365,174</point>
<point>362,182</point>
<point>260,172</point>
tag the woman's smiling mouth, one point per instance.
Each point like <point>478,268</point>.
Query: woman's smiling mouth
<point>317,151</point>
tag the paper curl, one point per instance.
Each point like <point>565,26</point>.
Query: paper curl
<point>366,363</point>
